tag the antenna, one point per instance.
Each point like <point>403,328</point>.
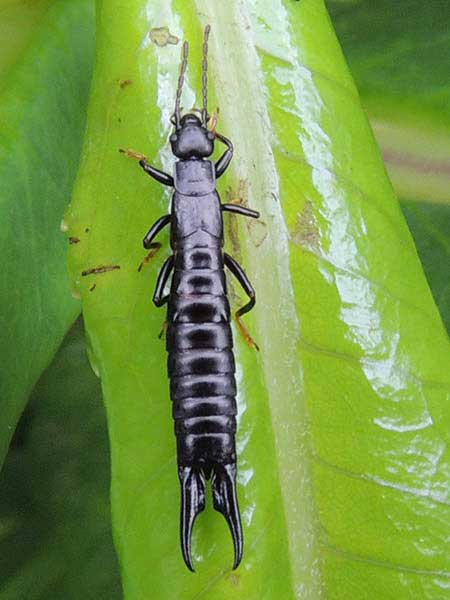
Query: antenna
<point>180,83</point>
<point>205,76</point>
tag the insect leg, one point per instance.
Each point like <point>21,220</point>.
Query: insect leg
<point>154,230</point>
<point>224,160</point>
<point>166,269</point>
<point>241,210</point>
<point>156,173</point>
<point>240,275</point>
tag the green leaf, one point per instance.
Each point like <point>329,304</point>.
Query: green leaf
<point>55,532</point>
<point>397,50</point>
<point>430,225</point>
<point>42,114</point>
<point>343,424</point>
<point>403,75</point>
<point>19,23</point>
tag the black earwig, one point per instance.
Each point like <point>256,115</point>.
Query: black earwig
<point>199,341</point>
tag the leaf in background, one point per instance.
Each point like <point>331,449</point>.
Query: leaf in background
<point>397,51</point>
<point>55,533</point>
<point>399,54</point>
<point>343,424</point>
<point>430,226</point>
<point>42,115</point>
<point>19,22</point>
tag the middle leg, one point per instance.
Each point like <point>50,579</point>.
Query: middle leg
<point>241,210</point>
<point>154,230</point>
<point>148,242</point>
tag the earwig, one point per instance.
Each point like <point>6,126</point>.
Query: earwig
<point>198,338</point>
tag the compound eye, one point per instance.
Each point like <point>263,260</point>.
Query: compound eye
<point>210,135</point>
<point>173,137</point>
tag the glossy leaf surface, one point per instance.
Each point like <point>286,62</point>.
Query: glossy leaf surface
<point>343,426</point>
<point>403,75</point>
<point>43,95</point>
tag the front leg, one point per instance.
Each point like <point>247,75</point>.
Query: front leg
<point>156,173</point>
<point>226,157</point>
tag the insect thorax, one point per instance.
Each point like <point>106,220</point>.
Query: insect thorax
<point>194,177</point>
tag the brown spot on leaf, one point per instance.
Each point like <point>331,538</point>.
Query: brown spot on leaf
<point>232,225</point>
<point>306,231</point>
<point>240,195</point>
<point>161,36</point>
<point>154,248</point>
<point>133,154</point>
<point>99,269</point>
<point>74,240</point>
<point>125,82</point>
<point>256,228</point>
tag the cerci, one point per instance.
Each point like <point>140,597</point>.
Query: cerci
<point>199,340</point>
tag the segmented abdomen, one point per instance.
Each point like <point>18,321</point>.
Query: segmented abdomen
<point>200,363</point>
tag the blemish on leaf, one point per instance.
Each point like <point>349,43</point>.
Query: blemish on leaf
<point>257,229</point>
<point>99,269</point>
<point>235,197</point>
<point>258,232</point>
<point>93,286</point>
<point>306,230</point>
<point>153,250</point>
<point>161,36</point>
<point>240,195</point>
<point>125,82</point>
<point>133,154</point>
<point>74,240</point>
